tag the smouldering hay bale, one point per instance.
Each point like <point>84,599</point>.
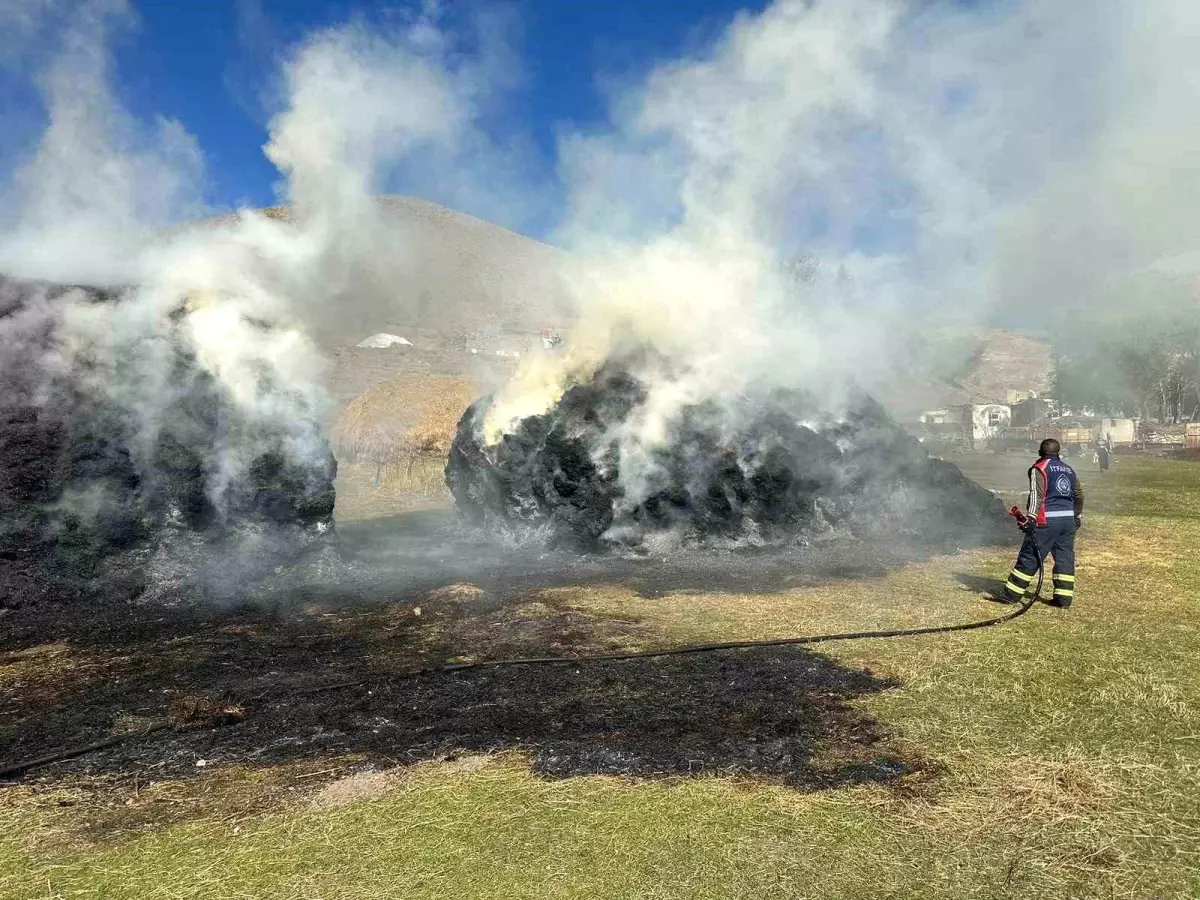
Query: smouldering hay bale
<point>765,465</point>
<point>401,423</point>
<point>96,506</point>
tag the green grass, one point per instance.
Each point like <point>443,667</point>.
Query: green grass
<point>1064,751</point>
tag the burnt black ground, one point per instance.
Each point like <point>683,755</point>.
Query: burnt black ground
<point>784,714</point>
<point>764,713</point>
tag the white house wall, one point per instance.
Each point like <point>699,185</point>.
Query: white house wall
<point>990,420</point>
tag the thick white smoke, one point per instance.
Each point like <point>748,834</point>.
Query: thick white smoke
<point>945,161</point>
<point>960,163</point>
<point>92,202</point>
<point>680,214</point>
<point>83,203</point>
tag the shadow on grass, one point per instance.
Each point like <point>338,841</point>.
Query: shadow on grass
<point>991,588</point>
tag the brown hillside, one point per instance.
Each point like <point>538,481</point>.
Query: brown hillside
<point>1008,360</point>
<point>455,274</point>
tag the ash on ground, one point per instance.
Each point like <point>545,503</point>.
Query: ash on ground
<point>769,468</point>
<point>126,468</point>
<point>278,686</point>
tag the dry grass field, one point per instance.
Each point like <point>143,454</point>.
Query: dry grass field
<point>1057,756</point>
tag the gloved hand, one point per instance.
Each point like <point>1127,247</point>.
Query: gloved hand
<point>1024,522</point>
<point>1078,522</point>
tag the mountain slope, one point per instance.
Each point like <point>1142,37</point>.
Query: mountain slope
<point>455,274</point>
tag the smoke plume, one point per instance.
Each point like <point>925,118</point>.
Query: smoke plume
<point>779,207</point>
<point>106,199</point>
<point>1007,164</point>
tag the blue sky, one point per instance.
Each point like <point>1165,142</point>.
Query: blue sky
<point>214,66</point>
<point>209,63</point>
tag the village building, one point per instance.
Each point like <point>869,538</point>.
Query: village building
<point>985,421</point>
<point>1030,410</point>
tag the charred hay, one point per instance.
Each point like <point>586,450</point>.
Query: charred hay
<point>100,494</point>
<point>772,467</point>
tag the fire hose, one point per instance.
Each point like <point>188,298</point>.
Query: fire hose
<point>1022,520</point>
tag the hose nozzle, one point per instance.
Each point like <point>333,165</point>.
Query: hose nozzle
<point>1022,519</point>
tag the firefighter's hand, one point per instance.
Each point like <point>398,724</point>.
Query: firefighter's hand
<point>1078,522</point>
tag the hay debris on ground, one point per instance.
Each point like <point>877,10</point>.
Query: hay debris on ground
<point>198,711</point>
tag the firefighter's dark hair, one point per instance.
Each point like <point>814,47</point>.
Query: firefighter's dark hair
<point>1049,447</point>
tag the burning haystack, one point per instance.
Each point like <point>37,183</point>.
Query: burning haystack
<point>767,467</point>
<point>127,463</point>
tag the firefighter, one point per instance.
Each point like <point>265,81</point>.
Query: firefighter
<point>1053,515</point>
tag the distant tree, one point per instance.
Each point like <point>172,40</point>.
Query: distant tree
<point>1142,358</point>
<point>1091,384</point>
<point>802,270</point>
